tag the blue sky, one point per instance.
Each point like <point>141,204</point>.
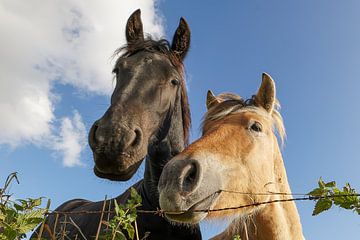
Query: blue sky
<point>310,48</point>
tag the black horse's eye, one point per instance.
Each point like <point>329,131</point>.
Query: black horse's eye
<point>175,82</point>
<point>256,127</point>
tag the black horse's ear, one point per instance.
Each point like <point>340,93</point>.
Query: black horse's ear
<point>181,40</point>
<point>134,27</point>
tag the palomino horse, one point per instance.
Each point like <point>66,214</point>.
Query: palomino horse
<point>236,162</point>
<point>149,114</point>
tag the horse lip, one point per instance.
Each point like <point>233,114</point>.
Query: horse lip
<point>122,175</point>
<point>201,208</point>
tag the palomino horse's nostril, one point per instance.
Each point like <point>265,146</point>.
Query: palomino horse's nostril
<point>190,178</point>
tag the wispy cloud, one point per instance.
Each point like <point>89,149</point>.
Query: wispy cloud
<point>68,42</point>
<point>71,140</point>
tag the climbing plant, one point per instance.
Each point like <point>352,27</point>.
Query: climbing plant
<point>327,194</point>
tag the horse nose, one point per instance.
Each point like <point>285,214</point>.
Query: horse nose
<point>182,176</point>
<point>122,138</point>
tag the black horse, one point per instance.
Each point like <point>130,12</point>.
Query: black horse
<point>148,118</point>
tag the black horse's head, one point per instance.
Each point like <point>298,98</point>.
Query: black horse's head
<point>149,82</point>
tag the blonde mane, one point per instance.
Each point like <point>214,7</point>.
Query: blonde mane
<point>231,103</point>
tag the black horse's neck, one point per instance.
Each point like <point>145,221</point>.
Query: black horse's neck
<point>160,152</point>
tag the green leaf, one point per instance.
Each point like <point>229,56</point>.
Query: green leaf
<point>120,236</point>
<point>317,192</point>
<point>117,208</point>
<point>336,191</point>
<point>131,217</point>
<point>348,188</point>
<point>322,205</point>
<point>130,230</point>
<point>321,183</point>
<point>18,207</point>
<point>357,210</point>
<point>330,184</point>
<point>338,200</point>
<point>10,234</point>
<point>37,202</point>
<point>135,196</point>
<point>2,218</point>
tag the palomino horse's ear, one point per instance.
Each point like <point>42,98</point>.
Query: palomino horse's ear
<point>265,96</point>
<point>211,100</point>
<point>134,27</point>
<point>181,40</point>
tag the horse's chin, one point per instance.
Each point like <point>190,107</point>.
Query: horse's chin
<point>195,213</point>
<point>186,217</point>
<point>116,174</point>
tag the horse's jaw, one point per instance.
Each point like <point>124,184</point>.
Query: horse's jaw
<point>195,213</point>
<point>119,174</point>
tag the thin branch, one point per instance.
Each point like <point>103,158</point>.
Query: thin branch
<point>108,215</point>
<point>136,231</point>
<point>101,217</point>
<point>56,221</point>
<point>8,180</point>
<point>63,227</point>
<point>43,222</point>
<point>47,228</point>
<point>77,227</point>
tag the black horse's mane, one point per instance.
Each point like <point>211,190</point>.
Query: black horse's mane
<point>161,46</point>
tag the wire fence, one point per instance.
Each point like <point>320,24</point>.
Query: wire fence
<point>162,212</point>
<point>64,218</point>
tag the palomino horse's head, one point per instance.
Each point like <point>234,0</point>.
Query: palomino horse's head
<point>235,154</point>
<point>149,83</point>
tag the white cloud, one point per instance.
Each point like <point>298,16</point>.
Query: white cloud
<point>71,140</point>
<point>71,42</point>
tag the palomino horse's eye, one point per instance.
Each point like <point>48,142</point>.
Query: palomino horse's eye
<point>175,82</point>
<point>256,127</point>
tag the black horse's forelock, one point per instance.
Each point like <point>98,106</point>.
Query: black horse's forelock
<point>150,45</point>
<point>162,46</point>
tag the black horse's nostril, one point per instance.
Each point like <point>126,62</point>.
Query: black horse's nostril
<point>190,177</point>
<point>92,134</point>
<point>138,137</point>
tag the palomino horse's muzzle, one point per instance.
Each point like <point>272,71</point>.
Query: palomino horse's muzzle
<point>187,189</point>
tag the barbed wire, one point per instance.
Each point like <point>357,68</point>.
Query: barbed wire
<point>162,212</point>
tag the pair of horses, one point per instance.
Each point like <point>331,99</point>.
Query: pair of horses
<point>149,118</point>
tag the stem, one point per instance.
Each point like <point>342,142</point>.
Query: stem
<point>43,222</point>
<point>101,217</point>
<point>7,183</point>
<point>136,231</point>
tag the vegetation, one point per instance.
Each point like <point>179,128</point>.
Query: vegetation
<point>327,195</point>
<point>18,217</point>
<point>22,215</point>
<point>124,219</point>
